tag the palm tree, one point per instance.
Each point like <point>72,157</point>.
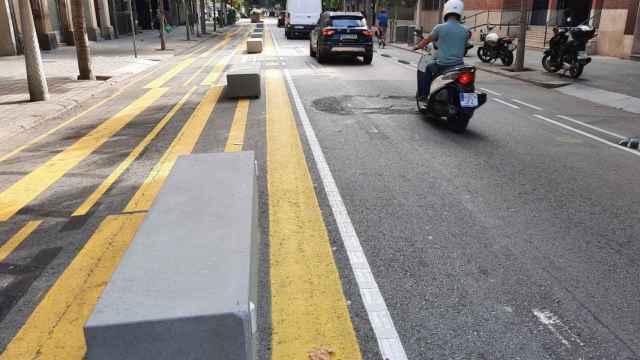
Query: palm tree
<point>83,52</point>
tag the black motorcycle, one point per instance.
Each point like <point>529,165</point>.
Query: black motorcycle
<point>567,50</point>
<point>496,47</point>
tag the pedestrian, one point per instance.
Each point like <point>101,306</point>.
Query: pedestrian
<point>383,24</point>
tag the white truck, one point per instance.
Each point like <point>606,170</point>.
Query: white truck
<point>302,17</point>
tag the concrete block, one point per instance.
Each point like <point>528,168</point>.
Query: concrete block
<point>256,35</point>
<point>259,25</point>
<point>243,82</point>
<point>254,46</point>
<point>187,286</point>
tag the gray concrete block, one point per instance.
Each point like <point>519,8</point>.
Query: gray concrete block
<point>256,35</point>
<point>187,285</point>
<point>254,46</point>
<point>259,25</point>
<point>243,82</point>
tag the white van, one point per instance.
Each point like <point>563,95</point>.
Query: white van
<point>302,17</point>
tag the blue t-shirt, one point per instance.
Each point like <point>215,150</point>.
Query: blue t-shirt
<point>383,19</point>
<point>451,38</point>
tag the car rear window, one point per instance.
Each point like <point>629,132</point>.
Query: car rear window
<point>346,22</point>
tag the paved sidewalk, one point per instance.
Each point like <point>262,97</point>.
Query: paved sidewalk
<point>113,62</point>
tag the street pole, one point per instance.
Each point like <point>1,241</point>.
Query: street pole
<point>36,80</point>
<point>163,42</point>
<point>215,17</point>
<point>133,28</point>
<point>519,65</point>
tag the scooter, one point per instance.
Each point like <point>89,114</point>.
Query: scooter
<point>496,47</point>
<point>453,96</point>
<point>568,50</point>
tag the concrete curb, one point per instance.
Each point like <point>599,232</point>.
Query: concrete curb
<point>187,287</point>
<point>527,76</point>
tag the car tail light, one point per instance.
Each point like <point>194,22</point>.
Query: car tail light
<point>367,33</point>
<point>328,32</point>
<point>465,78</point>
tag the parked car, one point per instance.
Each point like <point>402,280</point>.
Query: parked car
<point>341,33</point>
<point>255,16</point>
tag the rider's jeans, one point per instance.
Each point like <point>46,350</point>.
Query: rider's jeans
<point>426,78</point>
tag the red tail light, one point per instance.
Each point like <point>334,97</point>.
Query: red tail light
<point>465,78</point>
<point>367,33</point>
<point>328,32</point>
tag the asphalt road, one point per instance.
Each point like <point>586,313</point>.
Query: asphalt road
<point>516,240</point>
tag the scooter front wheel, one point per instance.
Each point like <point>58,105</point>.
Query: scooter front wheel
<point>549,65</point>
<point>482,55</point>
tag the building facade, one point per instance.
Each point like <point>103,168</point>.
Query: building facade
<point>618,21</point>
<point>105,20</point>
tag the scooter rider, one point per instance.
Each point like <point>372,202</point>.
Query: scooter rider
<point>450,38</point>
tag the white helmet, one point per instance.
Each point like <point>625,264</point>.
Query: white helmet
<point>453,7</point>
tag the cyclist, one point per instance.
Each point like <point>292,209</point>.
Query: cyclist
<point>450,38</point>
<point>383,24</point>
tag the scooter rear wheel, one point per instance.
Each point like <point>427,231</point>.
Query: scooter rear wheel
<point>458,122</point>
<point>576,70</point>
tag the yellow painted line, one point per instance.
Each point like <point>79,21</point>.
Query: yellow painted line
<point>54,329</point>
<point>33,184</point>
<point>18,238</point>
<point>124,165</point>
<point>72,119</point>
<point>308,307</point>
<point>219,67</point>
<point>183,144</point>
<point>235,140</point>
<point>159,82</point>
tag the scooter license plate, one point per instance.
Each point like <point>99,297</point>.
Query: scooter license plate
<point>469,100</point>
<point>582,55</point>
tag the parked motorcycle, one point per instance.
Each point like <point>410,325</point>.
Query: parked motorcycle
<point>453,97</point>
<point>567,50</point>
<point>496,47</point>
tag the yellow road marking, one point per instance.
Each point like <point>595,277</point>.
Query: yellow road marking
<point>235,140</point>
<point>124,165</point>
<point>54,329</point>
<point>215,48</point>
<point>159,82</point>
<point>72,119</point>
<point>18,238</point>
<point>183,144</point>
<point>308,307</point>
<point>33,184</point>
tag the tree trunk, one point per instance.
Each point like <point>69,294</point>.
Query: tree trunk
<point>519,64</point>
<point>203,20</point>
<point>38,90</point>
<point>187,26</point>
<point>163,42</point>
<point>83,52</point>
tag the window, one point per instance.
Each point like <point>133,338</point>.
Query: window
<point>347,22</point>
<point>431,4</point>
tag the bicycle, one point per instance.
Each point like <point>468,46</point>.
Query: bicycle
<point>381,37</point>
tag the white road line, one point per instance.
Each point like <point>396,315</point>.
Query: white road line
<point>506,103</point>
<point>615,146</point>
<point>527,104</point>
<point>591,126</point>
<point>549,320</point>
<point>386,334</point>
<point>491,92</point>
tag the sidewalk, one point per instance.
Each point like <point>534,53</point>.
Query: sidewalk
<point>606,80</point>
<point>113,62</point>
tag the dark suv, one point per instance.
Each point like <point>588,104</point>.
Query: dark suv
<point>341,33</point>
